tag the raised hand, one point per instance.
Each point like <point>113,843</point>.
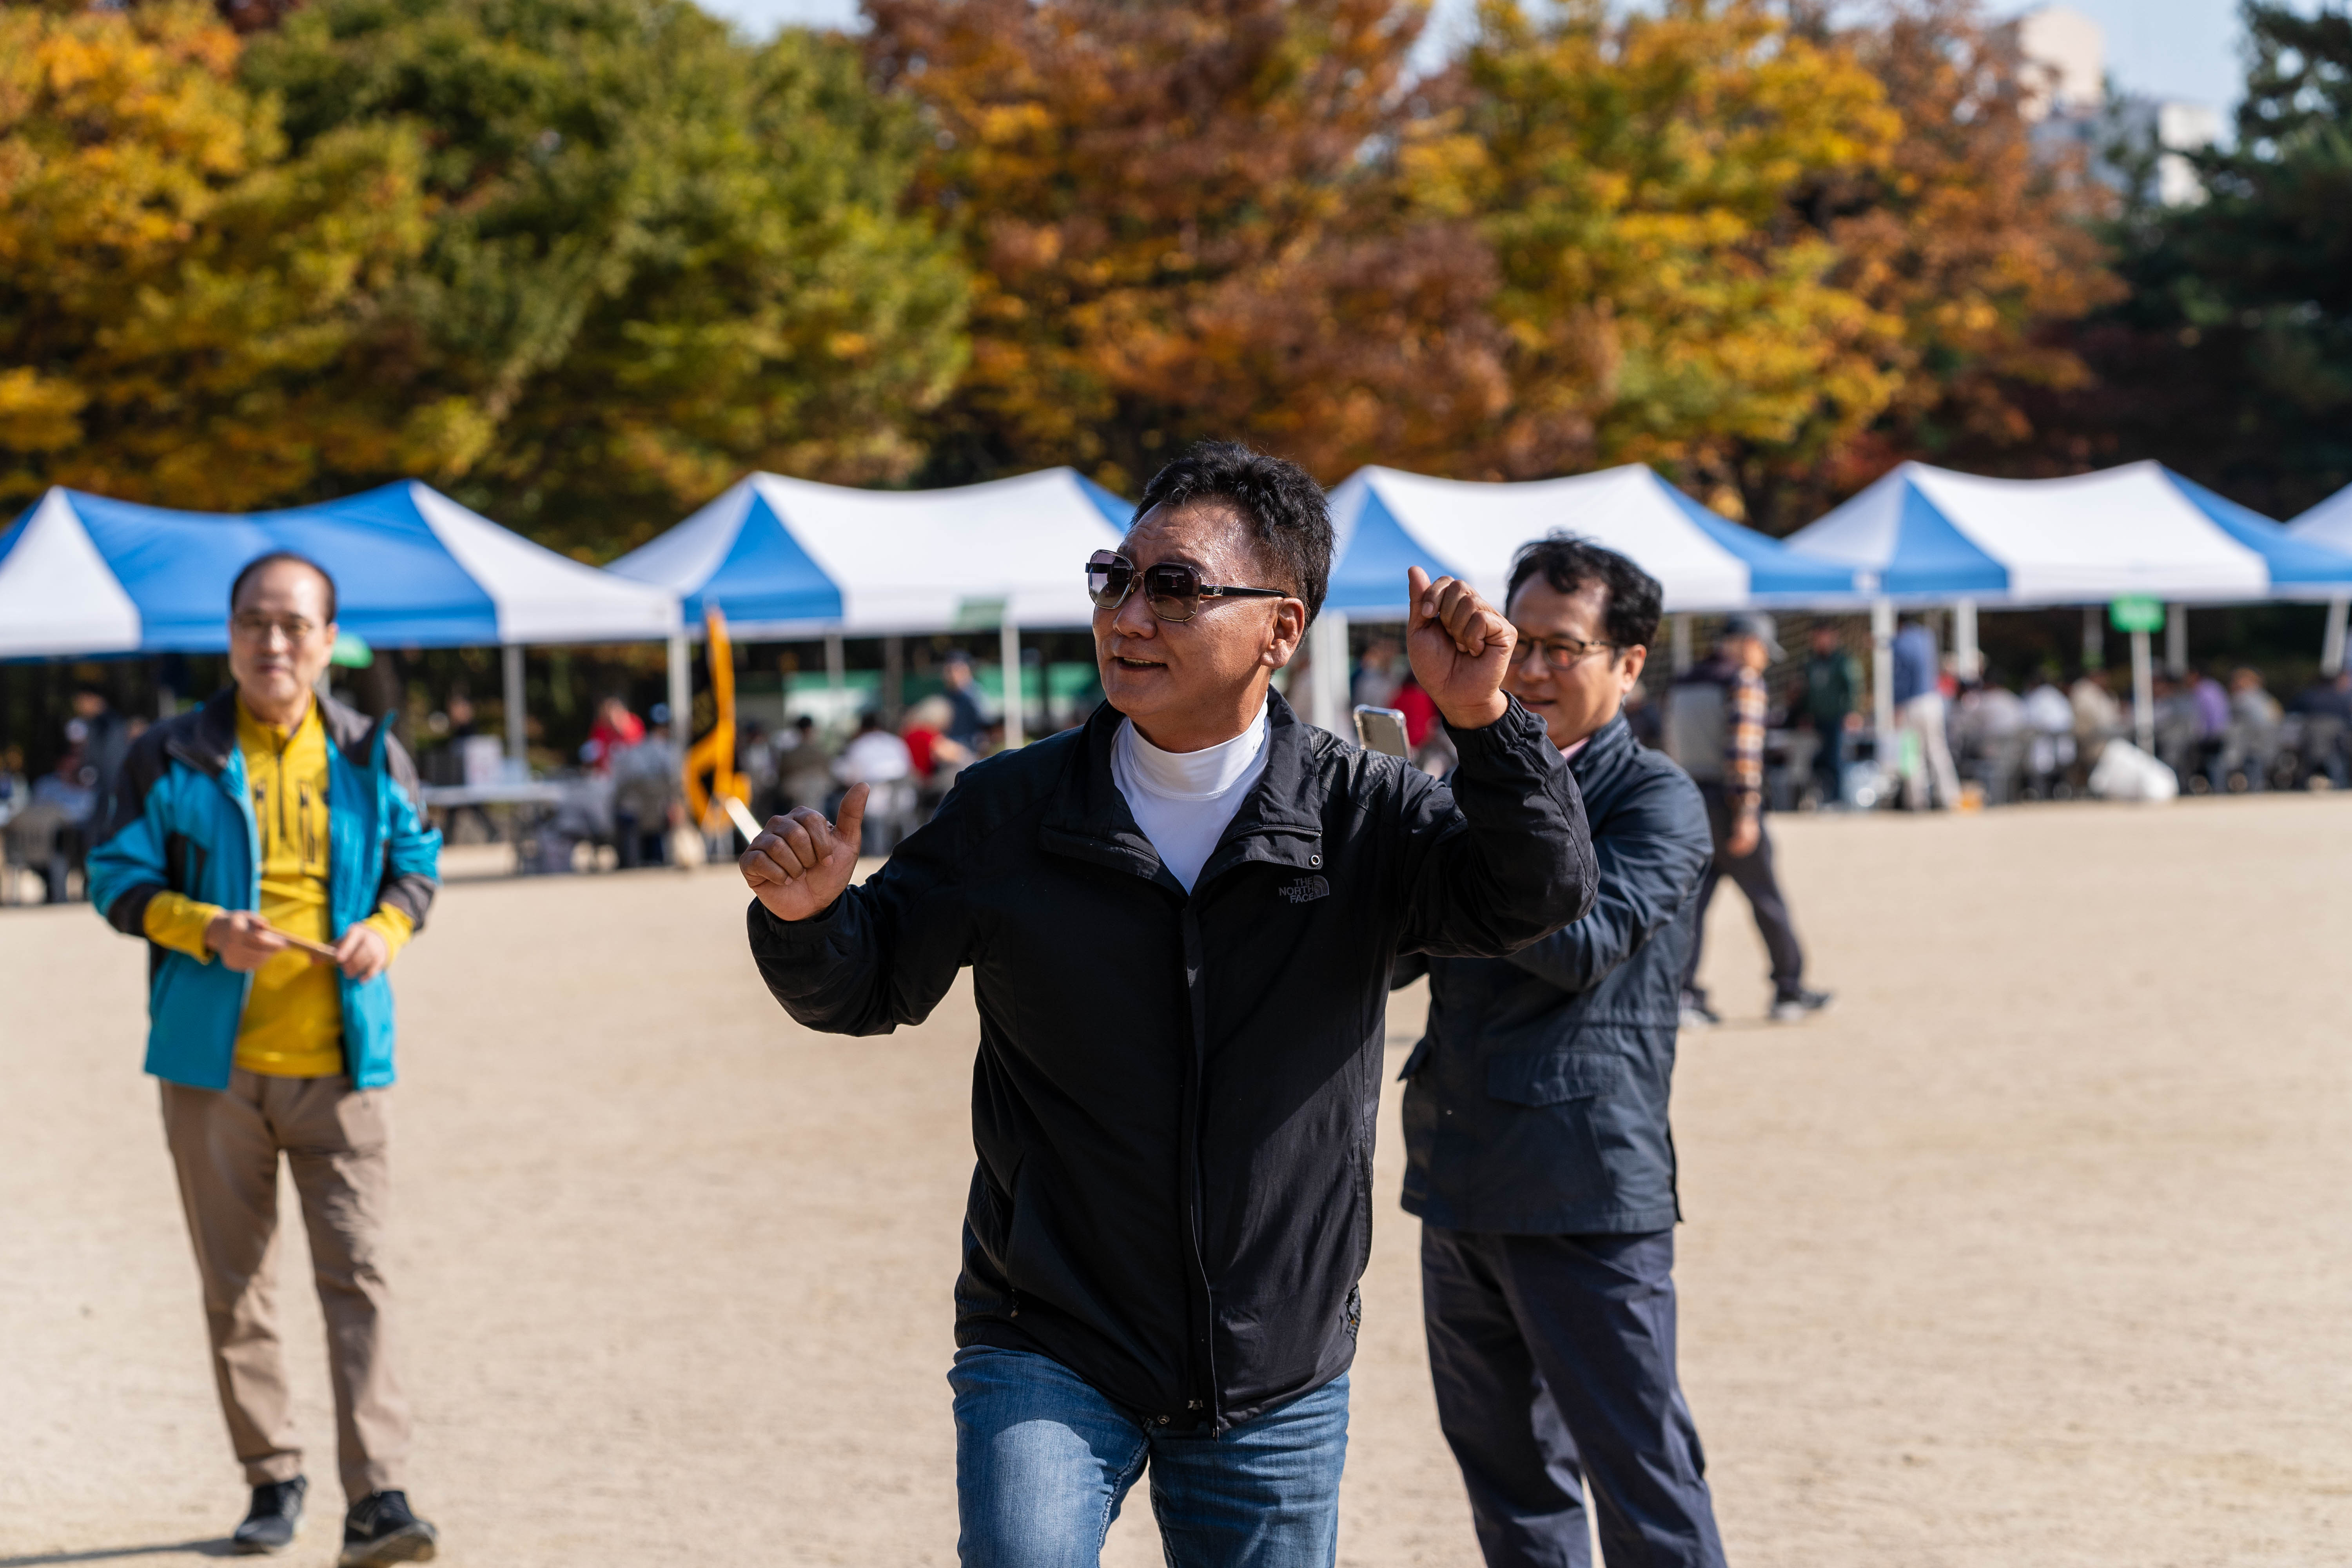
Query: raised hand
<point>1460,647</point>
<point>802,862</point>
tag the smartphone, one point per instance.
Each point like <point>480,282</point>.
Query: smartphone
<point>1381,730</point>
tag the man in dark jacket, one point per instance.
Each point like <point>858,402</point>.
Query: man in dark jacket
<point>1180,918</point>
<point>1535,1121</point>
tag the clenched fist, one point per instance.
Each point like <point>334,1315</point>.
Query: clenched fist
<point>1461,649</point>
<point>801,864</point>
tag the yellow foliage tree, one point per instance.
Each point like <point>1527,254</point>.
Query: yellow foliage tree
<point>1630,171</point>
<point>175,292</point>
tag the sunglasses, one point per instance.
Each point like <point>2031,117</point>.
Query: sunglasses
<point>1173,590</point>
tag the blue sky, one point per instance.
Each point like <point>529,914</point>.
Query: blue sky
<point>2166,48</point>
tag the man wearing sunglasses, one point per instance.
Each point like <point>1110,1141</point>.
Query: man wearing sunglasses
<point>1180,920</point>
<point>1536,1146</point>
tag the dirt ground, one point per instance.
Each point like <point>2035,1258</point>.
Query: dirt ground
<point>2036,1250</point>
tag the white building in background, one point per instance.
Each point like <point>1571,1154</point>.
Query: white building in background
<point>2066,100</point>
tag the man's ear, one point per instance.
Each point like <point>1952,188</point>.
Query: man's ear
<point>1285,633</point>
<point>1634,658</point>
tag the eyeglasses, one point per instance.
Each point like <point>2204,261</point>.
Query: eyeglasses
<point>1173,590</point>
<point>1559,653</point>
<point>256,627</point>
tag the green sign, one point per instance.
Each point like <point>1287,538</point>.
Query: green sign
<point>2136,615</point>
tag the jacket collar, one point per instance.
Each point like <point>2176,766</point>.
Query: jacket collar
<point>209,743</point>
<point>1603,748</point>
<point>1088,817</point>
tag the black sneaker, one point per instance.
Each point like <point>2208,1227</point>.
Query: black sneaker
<point>271,1524</point>
<point>1796,1007</point>
<point>1696,1013</point>
<point>380,1528</point>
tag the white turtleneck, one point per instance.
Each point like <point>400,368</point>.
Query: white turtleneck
<point>1183,800</point>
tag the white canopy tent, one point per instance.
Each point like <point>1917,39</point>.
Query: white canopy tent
<point>84,575</point>
<point>1387,520</point>
<point>791,558</point>
<point>2330,524</point>
<point>1928,535</point>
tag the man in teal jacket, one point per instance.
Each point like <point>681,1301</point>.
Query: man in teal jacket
<point>268,847</point>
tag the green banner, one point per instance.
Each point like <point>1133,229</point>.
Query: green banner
<point>2136,613</point>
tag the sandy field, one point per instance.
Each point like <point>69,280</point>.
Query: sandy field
<point>2037,1250</point>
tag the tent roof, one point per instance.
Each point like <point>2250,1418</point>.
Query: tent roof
<point>1388,519</point>
<point>784,557</point>
<point>1922,533</point>
<point>2329,523</point>
<point>83,574</point>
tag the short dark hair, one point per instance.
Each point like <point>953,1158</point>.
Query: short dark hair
<point>1289,519</point>
<point>1569,562</point>
<point>294,557</point>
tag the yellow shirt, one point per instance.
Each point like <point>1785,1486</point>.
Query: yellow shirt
<point>293,1023</point>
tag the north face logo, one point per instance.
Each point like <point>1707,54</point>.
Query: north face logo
<point>1306,890</point>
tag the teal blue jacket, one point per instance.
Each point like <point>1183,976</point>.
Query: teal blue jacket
<point>184,821</point>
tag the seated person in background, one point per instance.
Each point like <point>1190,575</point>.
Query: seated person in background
<point>874,756</point>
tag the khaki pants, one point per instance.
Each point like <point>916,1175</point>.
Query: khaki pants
<point>225,1146</point>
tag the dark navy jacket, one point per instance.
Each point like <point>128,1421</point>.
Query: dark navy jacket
<point>1175,1095</point>
<point>1536,1103</point>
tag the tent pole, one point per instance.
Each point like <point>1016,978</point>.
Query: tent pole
<point>2143,693</point>
<point>1882,679</point>
<point>2176,639</point>
<point>1682,644</point>
<point>1327,675</point>
<point>681,693</point>
<point>2094,637</point>
<point>2331,650</point>
<point>836,672</point>
<point>518,759</point>
<point>894,679</point>
<point>1968,662</point>
<point>1009,651</point>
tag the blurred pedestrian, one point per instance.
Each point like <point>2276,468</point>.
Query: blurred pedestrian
<point>265,1050</point>
<point>1538,1151</point>
<point>877,758</point>
<point>615,731</point>
<point>1715,729</point>
<point>2254,716</point>
<point>1919,715</point>
<point>1377,679</point>
<point>649,795</point>
<point>967,725</point>
<point>804,768</point>
<point>1831,705</point>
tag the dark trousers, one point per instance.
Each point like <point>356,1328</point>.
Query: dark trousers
<point>1554,1361</point>
<point>1753,873</point>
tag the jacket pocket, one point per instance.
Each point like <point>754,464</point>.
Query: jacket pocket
<point>1551,1078</point>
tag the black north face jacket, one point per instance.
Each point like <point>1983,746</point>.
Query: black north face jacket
<point>1174,1097</point>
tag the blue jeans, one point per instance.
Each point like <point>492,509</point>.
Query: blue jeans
<point>1043,1462</point>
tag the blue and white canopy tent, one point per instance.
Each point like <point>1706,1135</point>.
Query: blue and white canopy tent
<point>1388,519</point>
<point>2330,524</point>
<point>789,558</point>
<point>1927,535</point>
<point>82,575</point>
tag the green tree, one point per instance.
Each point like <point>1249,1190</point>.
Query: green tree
<point>178,295</point>
<point>2233,357</point>
<point>659,256</point>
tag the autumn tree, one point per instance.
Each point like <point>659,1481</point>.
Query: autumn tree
<point>1978,245</point>
<point>178,293</point>
<point>659,256</point>
<point>1629,170</point>
<point>1184,221</point>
